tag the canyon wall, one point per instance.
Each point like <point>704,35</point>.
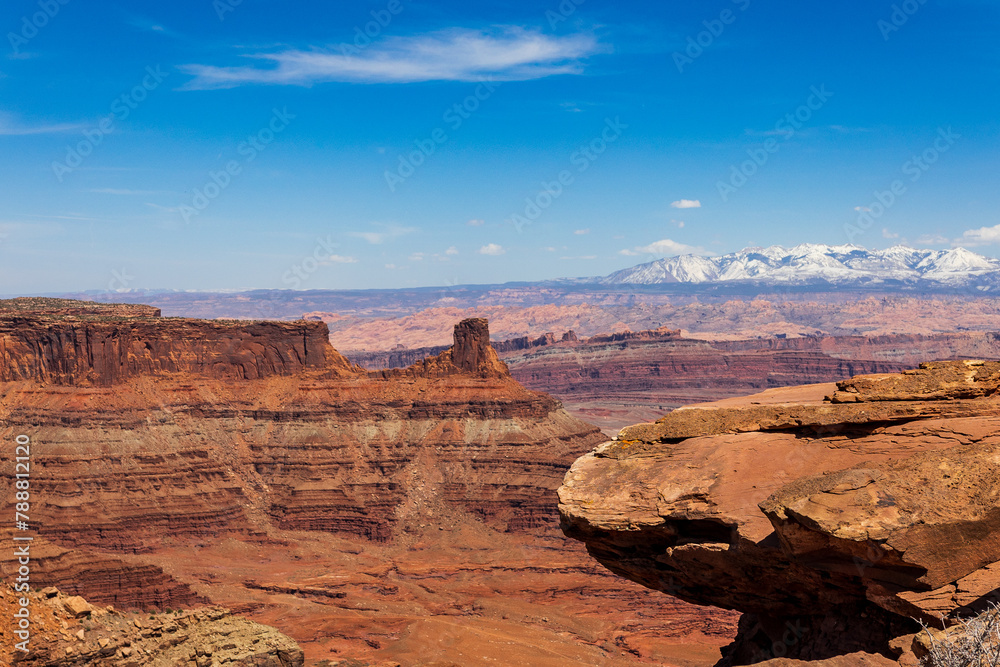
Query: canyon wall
<point>177,449</point>
<point>363,514</point>
<point>673,370</point>
<point>617,379</point>
<point>108,351</point>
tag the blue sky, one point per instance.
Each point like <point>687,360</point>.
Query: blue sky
<point>256,144</point>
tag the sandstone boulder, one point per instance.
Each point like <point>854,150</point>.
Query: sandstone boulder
<point>76,606</point>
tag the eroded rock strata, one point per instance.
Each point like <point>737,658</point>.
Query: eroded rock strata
<point>619,379</point>
<point>71,346</point>
<point>833,515</point>
<point>363,514</point>
<point>178,454</point>
<point>673,371</point>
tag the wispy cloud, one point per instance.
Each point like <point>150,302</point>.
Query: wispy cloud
<point>341,259</point>
<point>388,232</point>
<point>503,53</point>
<point>664,247</point>
<point>686,203</point>
<point>492,249</point>
<point>11,127</point>
<point>476,222</point>
<point>582,232</point>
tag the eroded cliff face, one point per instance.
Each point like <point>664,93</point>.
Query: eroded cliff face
<point>354,511</point>
<point>681,371</point>
<point>301,441</point>
<point>107,346</point>
<point>614,384</point>
<point>841,511</point>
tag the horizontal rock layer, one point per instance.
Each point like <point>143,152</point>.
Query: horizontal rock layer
<point>170,456</point>
<point>155,458</point>
<point>99,352</point>
<point>679,371</point>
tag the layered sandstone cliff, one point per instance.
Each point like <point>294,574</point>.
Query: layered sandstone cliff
<point>832,515</point>
<point>107,345</point>
<point>671,370</point>
<point>353,511</point>
<point>170,454</point>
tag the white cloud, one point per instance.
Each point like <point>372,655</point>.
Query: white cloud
<point>981,236</point>
<point>664,247</point>
<point>452,250</point>
<point>492,249</point>
<point>417,257</point>
<point>584,257</point>
<point>686,203</point>
<point>862,209</point>
<point>342,259</point>
<point>582,232</point>
<point>886,234</point>
<point>476,223</point>
<point>390,232</point>
<point>504,54</point>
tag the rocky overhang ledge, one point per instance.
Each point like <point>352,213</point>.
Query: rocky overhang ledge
<point>843,511</point>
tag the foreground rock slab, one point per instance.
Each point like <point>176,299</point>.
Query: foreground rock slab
<point>833,523</point>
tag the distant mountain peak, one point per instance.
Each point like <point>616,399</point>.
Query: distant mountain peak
<point>819,264</point>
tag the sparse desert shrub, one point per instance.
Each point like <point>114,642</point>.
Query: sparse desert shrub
<point>975,642</point>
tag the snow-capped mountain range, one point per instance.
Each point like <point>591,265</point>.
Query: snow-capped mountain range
<point>814,264</point>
